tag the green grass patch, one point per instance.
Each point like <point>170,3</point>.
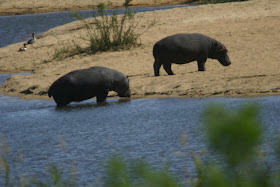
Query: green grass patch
<point>68,51</point>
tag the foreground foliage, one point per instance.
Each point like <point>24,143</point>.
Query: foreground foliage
<point>234,136</point>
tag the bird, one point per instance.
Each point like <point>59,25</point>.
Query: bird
<point>23,48</point>
<point>32,41</point>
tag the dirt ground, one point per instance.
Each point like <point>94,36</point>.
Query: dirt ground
<point>250,30</point>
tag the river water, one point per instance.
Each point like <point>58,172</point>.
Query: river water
<point>15,29</point>
<point>83,135</point>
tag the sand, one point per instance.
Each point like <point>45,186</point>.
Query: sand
<point>250,30</point>
<point>17,7</point>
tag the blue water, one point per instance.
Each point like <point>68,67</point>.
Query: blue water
<point>14,29</point>
<point>84,135</point>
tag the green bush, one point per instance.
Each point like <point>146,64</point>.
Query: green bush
<point>236,135</point>
<point>108,32</point>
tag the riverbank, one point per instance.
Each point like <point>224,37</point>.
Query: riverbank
<point>250,31</point>
<point>19,7</point>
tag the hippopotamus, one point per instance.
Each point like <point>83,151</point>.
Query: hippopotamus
<point>84,84</point>
<point>185,48</point>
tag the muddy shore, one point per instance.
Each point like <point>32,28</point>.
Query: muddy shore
<point>250,31</point>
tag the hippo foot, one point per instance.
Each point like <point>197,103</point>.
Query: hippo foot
<point>202,70</point>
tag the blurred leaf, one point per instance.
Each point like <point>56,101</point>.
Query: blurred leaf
<point>212,176</point>
<point>116,172</point>
<point>235,134</point>
<point>136,173</point>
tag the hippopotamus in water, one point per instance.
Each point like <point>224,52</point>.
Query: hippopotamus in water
<point>84,84</point>
<point>185,48</point>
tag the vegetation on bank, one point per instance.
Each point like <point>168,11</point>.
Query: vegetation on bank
<point>107,32</point>
<point>234,136</point>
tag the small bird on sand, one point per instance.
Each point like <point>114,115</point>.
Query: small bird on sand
<point>23,48</point>
<point>32,41</point>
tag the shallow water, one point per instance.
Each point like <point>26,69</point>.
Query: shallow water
<point>15,29</point>
<point>86,134</point>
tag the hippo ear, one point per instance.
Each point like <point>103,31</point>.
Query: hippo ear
<point>127,77</point>
<point>220,47</point>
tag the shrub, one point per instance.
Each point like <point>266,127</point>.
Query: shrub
<point>234,134</point>
<point>109,32</point>
<point>68,51</point>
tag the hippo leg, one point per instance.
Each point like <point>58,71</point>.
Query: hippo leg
<point>157,66</point>
<point>201,65</point>
<point>101,97</point>
<point>167,68</point>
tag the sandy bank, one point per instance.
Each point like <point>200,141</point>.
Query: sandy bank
<point>250,30</point>
<point>18,7</point>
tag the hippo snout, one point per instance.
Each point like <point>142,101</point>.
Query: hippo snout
<point>225,61</point>
<point>125,94</point>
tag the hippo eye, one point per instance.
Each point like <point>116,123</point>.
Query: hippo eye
<point>224,50</point>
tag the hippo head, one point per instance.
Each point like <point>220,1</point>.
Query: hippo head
<point>123,88</point>
<point>221,54</point>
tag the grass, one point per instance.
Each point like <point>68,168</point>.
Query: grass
<point>68,51</point>
<point>107,32</point>
<point>232,135</point>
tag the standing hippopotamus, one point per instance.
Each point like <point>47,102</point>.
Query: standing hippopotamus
<point>84,84</point>
<point>184,48</point>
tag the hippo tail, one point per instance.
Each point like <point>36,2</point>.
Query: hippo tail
<point>50,92</point>
<point>155,51</point>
